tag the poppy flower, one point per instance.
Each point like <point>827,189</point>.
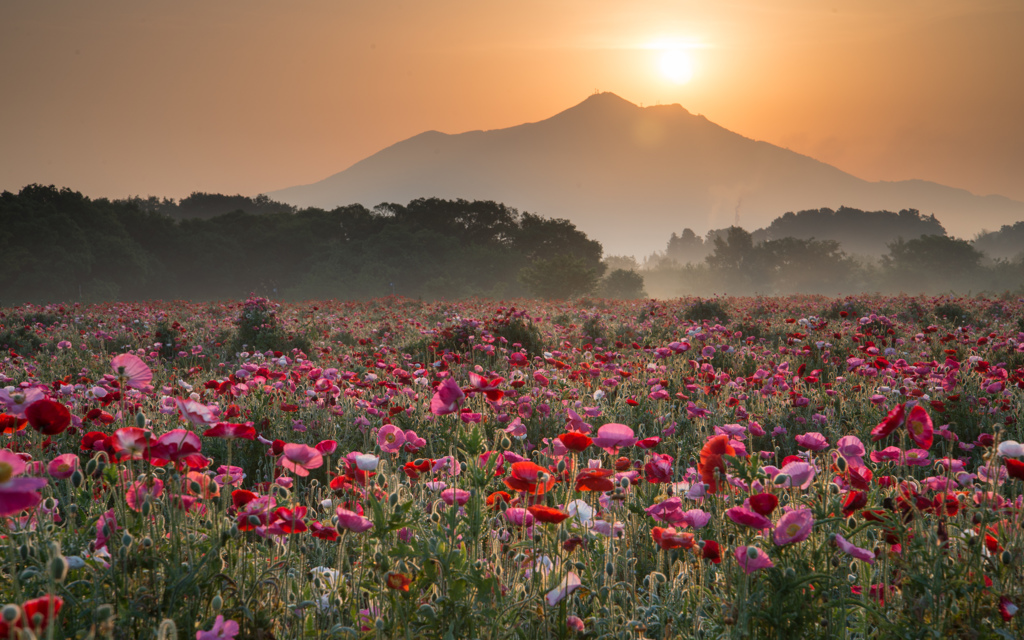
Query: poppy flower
<point>195,412</point>
<point>594,480</point>
<point>231,430</point>
<point>854,551</point>
<point>794,526</point>
<point>1014,468</point>
<point>10,424</point>
<point>854,501</point>
<point>140,490</point>
<point>323,532</point>
<point>291,520</point>
<point>1007,609</point>
<point>613,436</point>
<point>352,521</point>
<point>570,583</point>
<point>489,387</point>
<point>131,371</point>
<point>47,607</point>
<point>711,458</point>
<point>63,466</point>
<point>764,503</point>
<point>711,551</point>
<point>178,446</point>
<point>447,398</point>
<point>526,476</point>
<point>752,559</point>
<point>452,497</point>
<point>300,458</point>
<point>547,514</point>
<point>390,439</point>
<point>670,511</point>
<point>748,518</point>
<point>890,423</point>
<point>659,468</point>
<point>497,499</point>
<point>919,426</point>
<point>16,492</point>
<point>397,581</point>
<point>129,443</point>
<point>222,630</point>
<point>670,538</point>
<point>575,441</point>
<point>417,467</point>
<point>812,440</point>
<point>48,417</point>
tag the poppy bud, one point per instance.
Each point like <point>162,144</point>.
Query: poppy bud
<point>841,464</point>
<point>217,603</point>
<point>10,613</point>
<point>609,569</point>
<point>752,553</point>
<point>77,479</point>
<point>140,420</point>
<point>58,568</point>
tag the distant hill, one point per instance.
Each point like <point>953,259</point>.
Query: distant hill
<point>629,176</point>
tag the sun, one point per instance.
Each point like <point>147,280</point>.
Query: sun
<point>676,65</point>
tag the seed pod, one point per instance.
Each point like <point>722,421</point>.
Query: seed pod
<point>752,553</point>
<point>217,603</point>
<point>140,420</point>
<point>10,613</point>
<point>58,568</point>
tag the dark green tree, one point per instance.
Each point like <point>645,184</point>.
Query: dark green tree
<point>623,285</point>
<point>559,278</point>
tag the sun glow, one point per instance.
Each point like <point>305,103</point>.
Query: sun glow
<point>676,65</point>
<point>674,59</point>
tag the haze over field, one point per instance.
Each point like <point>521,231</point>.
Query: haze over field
<point>631,176</point>
<point>121,98</point>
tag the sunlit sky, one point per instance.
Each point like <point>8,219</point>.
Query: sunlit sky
<point>117,98</point>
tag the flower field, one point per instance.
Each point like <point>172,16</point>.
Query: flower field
<point>797,467</point>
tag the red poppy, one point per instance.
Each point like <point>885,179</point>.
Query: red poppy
<point>530,477</point>
<point>48,417</point>
<point>1014,468</point>
<point>47,607</point>
<point>711,551</point>
<point>497,499</point>
<point>10,424</point>
<point>890,423</point>
<point>398,581</point>
<point>711,458</point>
<point>575,441</point>
<point>853,501</point>
<point>291,520</point>
<point>764,503</point>
<point>547,514</point>
<point>595,480</point>
<point>415,468</point>
<point>670,538</point>
<point>323,532</point>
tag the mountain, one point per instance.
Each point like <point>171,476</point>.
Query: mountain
<point>629,176</point>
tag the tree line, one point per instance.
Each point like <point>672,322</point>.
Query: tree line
<point>58,245</point>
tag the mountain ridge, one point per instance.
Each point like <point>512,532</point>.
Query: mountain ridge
<point>629,176</point>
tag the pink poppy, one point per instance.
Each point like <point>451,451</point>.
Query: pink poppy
<point>413,442</point>
<point>812,440</point>
<point>850,447</point>
<point>132,371</point>
<point>890,454</point>
<point>849,549</point>
<point>447,398</point>
<point>569,583</point>
<point>140,490</point>
<point>222,630</point>
<point>232,430</point>
<point>920,428</point>
<point>697,518</point>
<point>390,439</point>
<point>748,518</point>
<point>455,496</point>
<point>300,458</point>
<point>63,466</point>
<point>613,436</point>
<point>17,400</point>
<point>326,447</point>
<point>352,521</point>
<point>800,474</point>
<point>752,559</point>
<point>670,511</point>
<point>17,493</point>
<point>177,446</point>
<point>195,412</point>
<point>48,417</point>
<point>130,443</point>
<point>519,517</point>
<point>794,526</point>
<point>659,468</point>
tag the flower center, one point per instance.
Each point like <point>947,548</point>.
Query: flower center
<point>792,529</point>
<point>6,471</point>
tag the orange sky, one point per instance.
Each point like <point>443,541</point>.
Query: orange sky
<point>117,98</point>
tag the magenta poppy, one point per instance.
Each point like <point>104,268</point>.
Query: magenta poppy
<point>447,398</point>
<point>132,371</point>
<point>300,458</point>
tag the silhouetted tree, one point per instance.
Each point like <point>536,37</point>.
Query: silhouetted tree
<point>622,285</point>
<point>559,278</point>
